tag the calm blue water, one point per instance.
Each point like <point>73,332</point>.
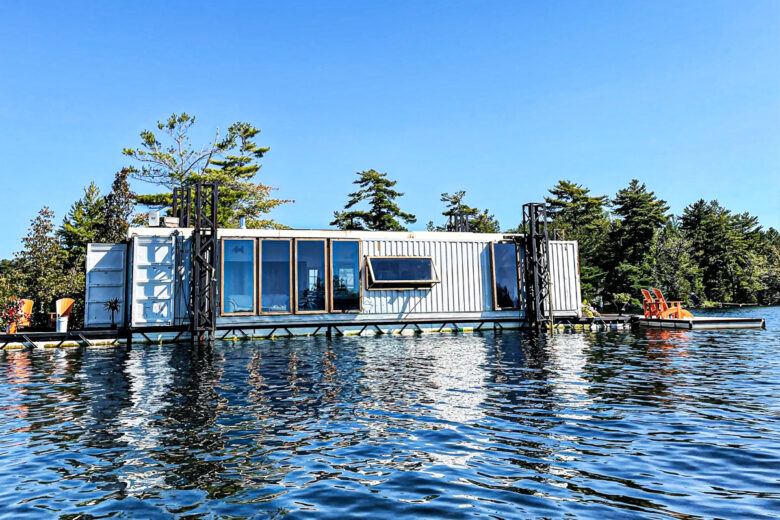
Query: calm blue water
<point>587,425</point>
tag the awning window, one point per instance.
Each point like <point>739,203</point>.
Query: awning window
<point>401,272</point>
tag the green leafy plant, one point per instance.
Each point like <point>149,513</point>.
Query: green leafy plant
<point>112,306</point>
<point>10,312</point>
<point>621,300</point>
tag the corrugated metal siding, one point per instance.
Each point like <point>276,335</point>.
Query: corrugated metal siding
<point>161,264</point>
<point>464,271</point>
<point>565,277</point>
<point>105,275</point>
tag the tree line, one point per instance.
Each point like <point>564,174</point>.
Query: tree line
<point>626,242</point>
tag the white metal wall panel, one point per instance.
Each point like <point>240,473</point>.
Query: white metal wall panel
<point>105,277</point>
<point>160,282</point>
<point>153,287</point>
<point>464,271</point>
<point>565,276</point>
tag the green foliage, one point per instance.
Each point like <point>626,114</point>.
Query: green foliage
<point>383,213</point>
<point>727,248</point>
<point>232,161</point>
<point>674,271</point>
<point>639,215</point>
<point>10,311</point>
<point>479,221</point>
<point>709,252</point>
<point>82,225</point>
<point>43,271</point>
<point>118,210</point>
<point>582,217</point>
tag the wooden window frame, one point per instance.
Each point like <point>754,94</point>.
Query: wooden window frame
<point>255,295</point>
<point>493,278</point>
<point>359,273</point>
<point>326,275</point>
<point>260,276</point>
<point>386,285</point>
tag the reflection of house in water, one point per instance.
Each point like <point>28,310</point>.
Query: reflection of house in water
<point>149,375</point>
<point>568,357</point>
<point>449,377</point>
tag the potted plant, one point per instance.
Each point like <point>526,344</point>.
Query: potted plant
<point>621,301</point>
<point>112,306</point>
<point>10,314</point>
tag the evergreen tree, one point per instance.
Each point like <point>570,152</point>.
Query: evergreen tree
<point>674,270</point>
<point>42,266</point>
<point>769,268</point>
<point>582,217</point>
<point>484,222</point>
<point>640,214</point>
<point>479,221</point>
<point>573,208</point>
<point>118,209</point>
<point>383,213</point>
<point>727,248</point>
<point>82,225</point>
<point>232,160</point>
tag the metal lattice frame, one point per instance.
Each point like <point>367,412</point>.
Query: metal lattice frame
<point>182,205</point>
<point>203,281</point>
<point>536,265</point>
<point>458,223</point>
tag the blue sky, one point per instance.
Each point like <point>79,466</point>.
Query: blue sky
<point>499,99</point>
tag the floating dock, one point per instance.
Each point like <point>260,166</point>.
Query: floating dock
<point>701,323</point>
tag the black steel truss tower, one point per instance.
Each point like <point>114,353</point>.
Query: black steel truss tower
<point>536,265</point>
<point>196,205</point>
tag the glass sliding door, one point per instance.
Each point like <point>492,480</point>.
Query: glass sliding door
<point>506,286</point>
<point>275,276</point>
<point>345,269</point>
<point>310,276</point>
<point>238,276</point>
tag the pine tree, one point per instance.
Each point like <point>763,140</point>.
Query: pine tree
<point>582,217</point>
<point>82,225</point>
<point>232,160</point>
<point>383,213</point>
<point>640,214</point>
<point>573,208</point>
<point>728,250</point>
<point>674,270</point>
<point>479,221</point>
<point>118,210</point>
<point>43,267</point>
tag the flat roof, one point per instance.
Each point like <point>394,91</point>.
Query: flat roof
<point>328,233</point>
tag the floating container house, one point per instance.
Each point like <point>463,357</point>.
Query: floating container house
<point>288,282</point>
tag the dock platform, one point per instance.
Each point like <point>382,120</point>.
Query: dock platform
<point>89,337</point>
<point>702,323</point>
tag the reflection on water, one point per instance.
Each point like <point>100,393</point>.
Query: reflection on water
<point>651,423</point>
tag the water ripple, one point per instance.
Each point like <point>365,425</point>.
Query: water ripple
<point>644,424</point>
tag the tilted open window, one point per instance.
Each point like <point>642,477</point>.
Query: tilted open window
<point>401,272</point>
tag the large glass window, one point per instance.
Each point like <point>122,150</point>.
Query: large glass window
<point>346,276</point>
<point>275,276</point>
<point>505,283</point>
<point>310,277</point>
<point>238,276</point>
<point>401,272</point>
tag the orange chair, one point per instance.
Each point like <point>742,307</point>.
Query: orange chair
<point>64,307</point>
<point>649,304</point>
<point>663,309</point>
